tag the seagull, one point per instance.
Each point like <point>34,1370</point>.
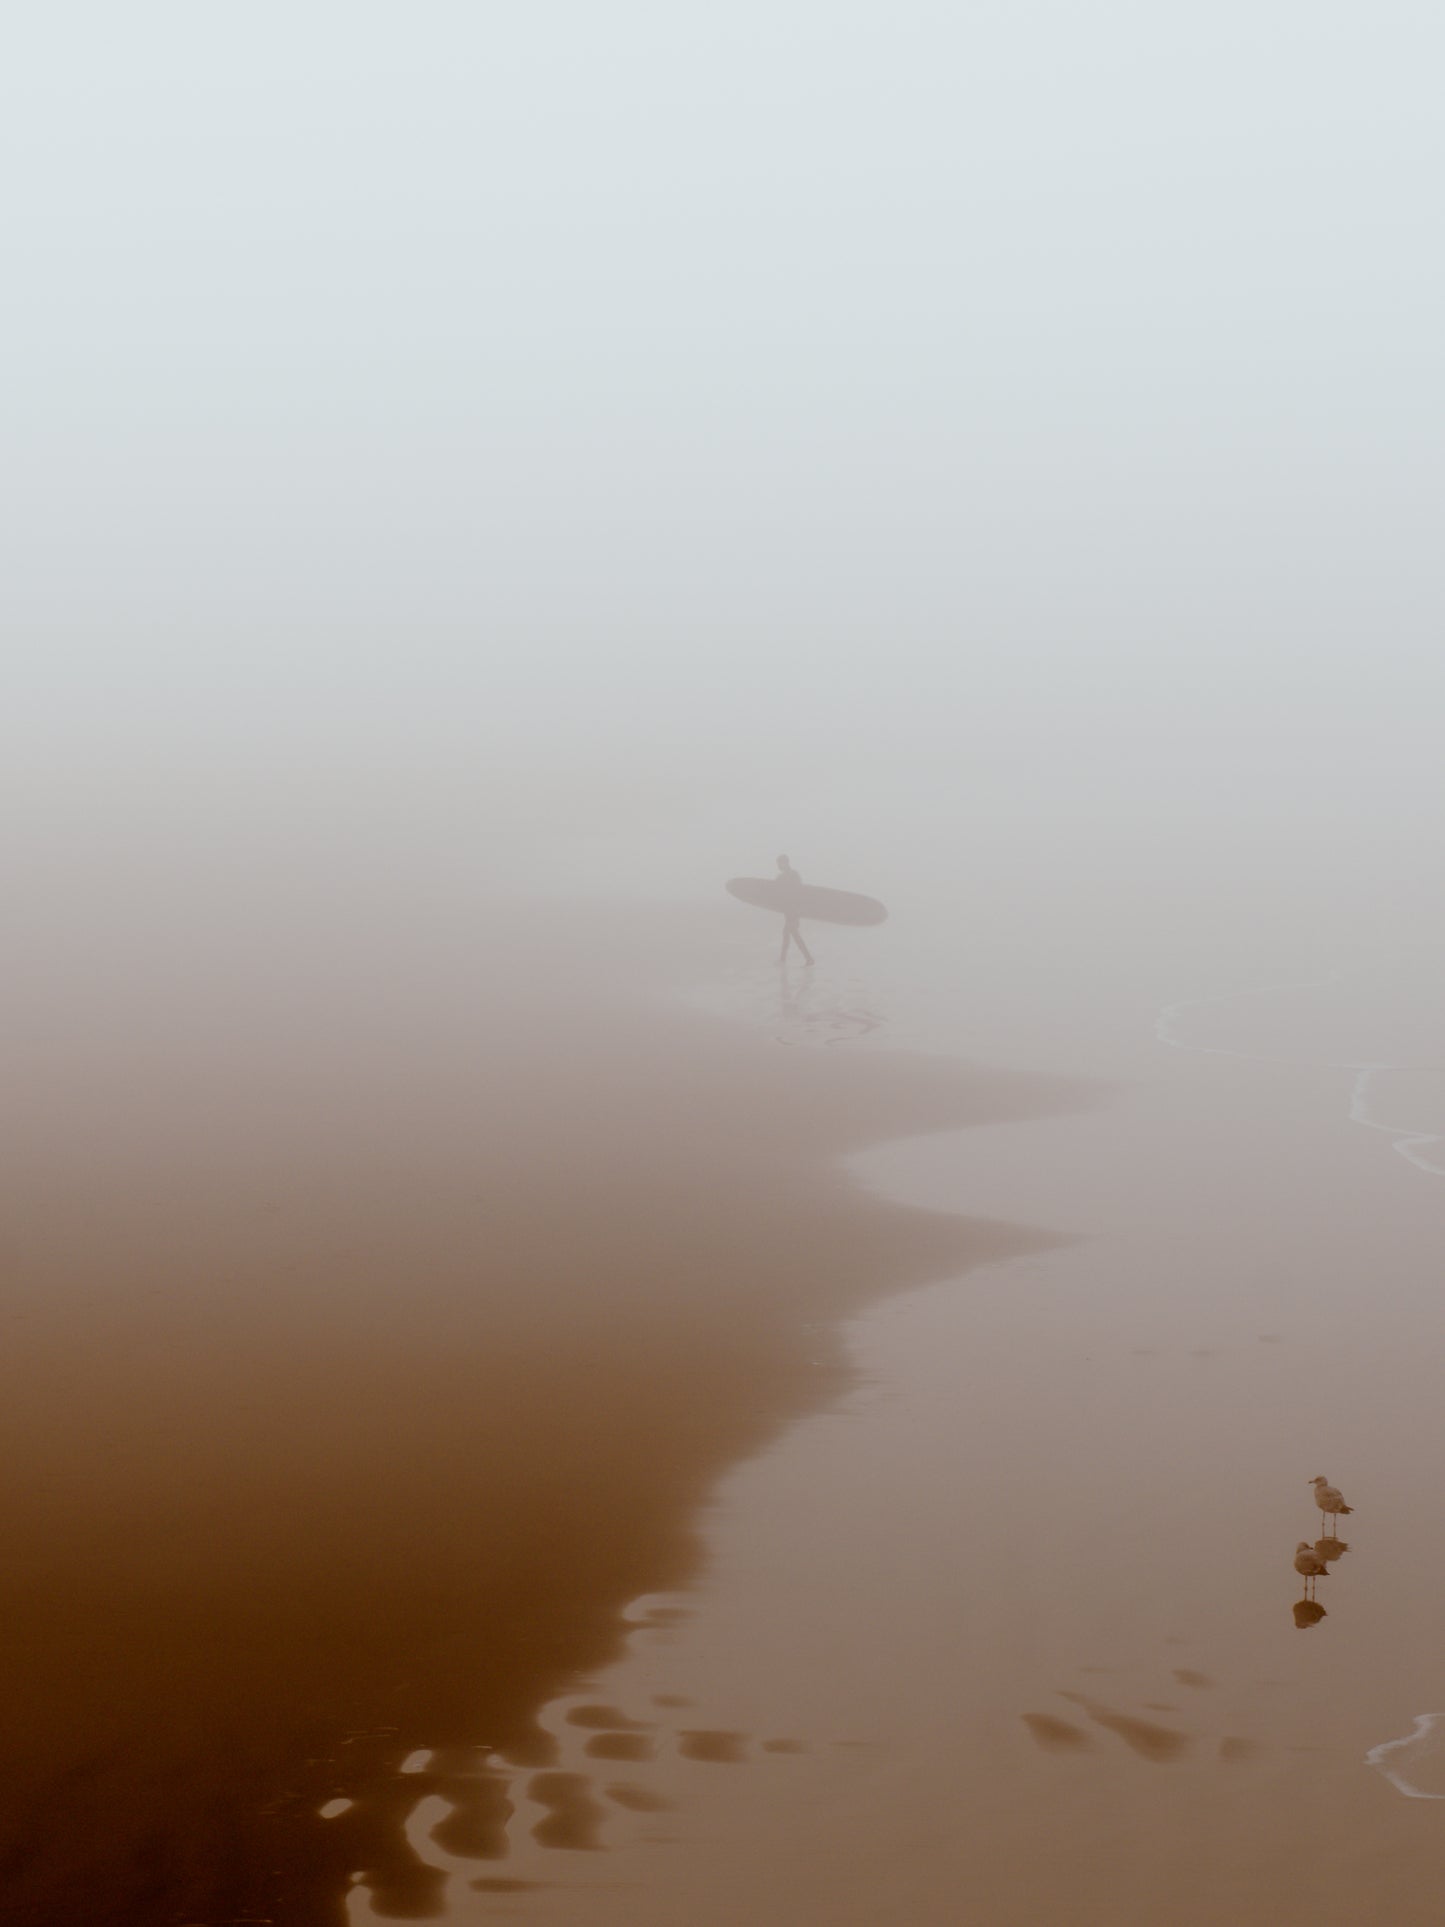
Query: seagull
<point>1307,1562</point>
<point>1329,1498</point>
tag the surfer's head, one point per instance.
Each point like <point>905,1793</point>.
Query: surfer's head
<point>783,863</point>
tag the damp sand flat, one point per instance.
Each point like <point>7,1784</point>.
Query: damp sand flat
<point>384,1293</point>
<point>1006,1635</point>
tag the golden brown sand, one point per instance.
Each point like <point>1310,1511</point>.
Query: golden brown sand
<point>384,1294</point>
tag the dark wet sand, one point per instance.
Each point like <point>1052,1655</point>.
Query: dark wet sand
<point>384,1292</point>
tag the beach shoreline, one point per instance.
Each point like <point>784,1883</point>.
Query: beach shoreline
<point>376,1355</point>
<point>1006,1631</point>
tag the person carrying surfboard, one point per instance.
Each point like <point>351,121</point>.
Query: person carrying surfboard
<point>790,889</point>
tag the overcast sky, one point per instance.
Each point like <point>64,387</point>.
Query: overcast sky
<point>585,360</point>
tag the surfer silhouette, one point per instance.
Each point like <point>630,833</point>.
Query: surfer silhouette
<point>790,889</point>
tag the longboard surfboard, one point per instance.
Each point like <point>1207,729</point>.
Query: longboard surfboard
<point>823,906</point>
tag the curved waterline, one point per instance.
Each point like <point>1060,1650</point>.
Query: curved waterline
<point>1410,1143</point>
<point>1415,1741</point>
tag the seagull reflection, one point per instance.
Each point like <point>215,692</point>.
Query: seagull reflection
<point>1307,1613</point>
<point>1330,1549</point>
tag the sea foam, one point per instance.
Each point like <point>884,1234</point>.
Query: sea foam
<point>1415,1764</point>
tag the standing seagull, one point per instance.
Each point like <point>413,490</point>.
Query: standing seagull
<point>1330,1500</point>
<point>1308,1563</point>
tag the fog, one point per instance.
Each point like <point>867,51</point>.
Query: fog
<point>564,370</point>
<point>475,478</point>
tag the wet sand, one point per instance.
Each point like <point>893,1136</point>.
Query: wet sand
<point>1010,1632</point>
<point>387,1290</point>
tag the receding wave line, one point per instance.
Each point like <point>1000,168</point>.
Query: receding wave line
<point>1411,1145</point>
<point>1408,1140</point>
<point>1413,1748</point>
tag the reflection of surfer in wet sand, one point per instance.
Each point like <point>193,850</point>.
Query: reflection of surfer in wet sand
<point>790,893</point>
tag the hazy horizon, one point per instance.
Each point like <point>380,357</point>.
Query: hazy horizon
<point>585,372</point>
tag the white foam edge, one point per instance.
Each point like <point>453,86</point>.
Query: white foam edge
<point>1377,1755</point>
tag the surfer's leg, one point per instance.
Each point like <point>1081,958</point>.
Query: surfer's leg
<point>792,934</point>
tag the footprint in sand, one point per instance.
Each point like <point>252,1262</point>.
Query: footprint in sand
<point>373,1824</point>
<point>1057,1736</point>
<point>718,1748</point>
<point>560,1793</point>
<point>476,1827</point>
<point>1160,1745</point>
<point>573,1817</point>
<point>610,1719</point>
<point>637,1799</point>
<point>620,1746</point>
<point>576,1806</point>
